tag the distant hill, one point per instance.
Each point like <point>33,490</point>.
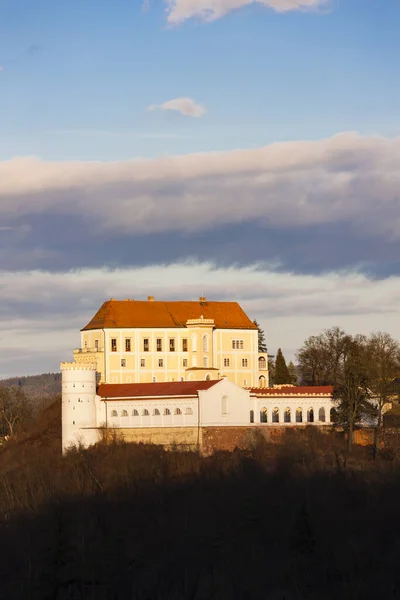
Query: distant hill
<point>36,386</point>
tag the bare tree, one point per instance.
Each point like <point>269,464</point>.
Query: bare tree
<point>383,354</point>
<point>322,357</point>
<point>14,409</point>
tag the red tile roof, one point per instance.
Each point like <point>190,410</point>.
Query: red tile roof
<point>142,313</point>
<point>168,388</point>
<point>311,390</point>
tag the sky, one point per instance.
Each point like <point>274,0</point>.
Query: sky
<point>245,151</point>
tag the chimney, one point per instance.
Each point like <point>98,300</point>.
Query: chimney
<point>203,299</point>
<point>150,298</point>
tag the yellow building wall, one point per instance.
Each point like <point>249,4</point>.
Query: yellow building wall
<point>219,349</point>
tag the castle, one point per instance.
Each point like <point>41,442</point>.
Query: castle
<point>172,372</point>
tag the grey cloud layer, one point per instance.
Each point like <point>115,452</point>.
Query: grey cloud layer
<point>294,184</point>
<point>306,206</point>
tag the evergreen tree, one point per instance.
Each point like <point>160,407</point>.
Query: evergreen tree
<point>282,374</point>
<point>293,373</point>
<point>262,344</point>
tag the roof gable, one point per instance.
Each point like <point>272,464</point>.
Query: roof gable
<point>154,314</point>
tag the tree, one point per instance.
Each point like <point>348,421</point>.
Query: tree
<point>351,390</point>
<point>282,374</point>
<point>321,359</point>
<point>383,357</point>
<point>293,373</point>
<point>262,344</point>
<point>14,409</point>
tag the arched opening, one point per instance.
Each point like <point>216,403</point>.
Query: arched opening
<point>145,413</point>
<point>167,411</point>
<point>310,415</point>
<point>205,342</point>
<point>263,415</point>
<point>286,415</point>
<point>262,363</point>
<point>299,415</point>
<point>178,411</point>
<point>114,413</point>
<point>261,381</point>
<point>156,412</point>
<point>135,413</point>
<point>208,377</point>
<point>333,415</point>
<point>252,416</point>
<point>275,415</point>
<point>224,405</point>
<point>188,411</point>
<point>124,413</point>
<point>321,415</point>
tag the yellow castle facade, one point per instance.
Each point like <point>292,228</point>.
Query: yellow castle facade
<point>136,341</point>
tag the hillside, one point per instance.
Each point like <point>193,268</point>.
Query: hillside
<point>36,386</point>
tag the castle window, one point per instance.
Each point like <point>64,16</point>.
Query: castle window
<point>184,345</point>
<point>127,345</point>
<point>208,377</point>
<point>205,343</point>
<point>194,342</point>
<point>244,382</point>
<point>73,422</point>
<point>142,362</point>
<point>178,411</point>
<point>252,416</point>
<point>146,345</point>
<point>159,344</point>
<point>226,362</point>
<point>114,413</point>
<point>156,412</point>
<point>113,344</point>
<point>321,415</point>
<point>160,362</point>
<point>188,411</point>
<point>167,411</point>
<point>262,363</point>
<point>310,415</point>
<point>145,413</point>
<point>237,344</point>
<point>275,415</point>
<point>96,344</point>
<point>224,405</point>
<point>85,344</point>
<point>244,362</point>
<point>263,415</point>
<point>205,362</point>
<point>135,413</point>
<point>299,415</point>
<point>185,362</point>
<point>154,379</point>
<point>123,362</point>
<point>172,345</point>
<point>124,413</point>
<point>286,415</point>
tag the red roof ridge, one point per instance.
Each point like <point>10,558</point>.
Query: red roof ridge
<point>161,388</point>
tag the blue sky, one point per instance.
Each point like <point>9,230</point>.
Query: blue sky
<point>79,75</point>
<point>300,104</point>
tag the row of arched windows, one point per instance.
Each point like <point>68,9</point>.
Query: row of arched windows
<point>156,412</point>
<point>299,417</point>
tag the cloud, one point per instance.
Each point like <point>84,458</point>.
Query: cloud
<point>55,306</point>
<point>209,10</point>
<point>347,180</point>
<point>185,106</point>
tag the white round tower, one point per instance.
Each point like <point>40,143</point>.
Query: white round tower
<point>78,414</point>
